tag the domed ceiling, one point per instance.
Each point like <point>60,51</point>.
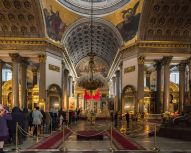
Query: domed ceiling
<point>100,7</point>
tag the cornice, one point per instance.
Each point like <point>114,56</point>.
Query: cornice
<point>38,43</point>
<point>146,44</point>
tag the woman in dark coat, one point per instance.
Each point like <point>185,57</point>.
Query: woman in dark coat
<point>4,132</point>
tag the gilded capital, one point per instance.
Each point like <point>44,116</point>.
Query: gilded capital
<point>15,57</point>
<point>117,73</point>
<point>24,61</point>
<point>166,60</point>
<point>42,58</point>
<point>141,60</point>
<point>148,73</point>
<point>34,70</point>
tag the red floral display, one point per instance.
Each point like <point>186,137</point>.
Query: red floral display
<point>94,95</point>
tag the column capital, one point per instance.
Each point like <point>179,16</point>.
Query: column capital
<point>66,72</point>
<point>166,60</point>
<point>113,78</point>
<point>42,58</point>
<point>158,64</point>
<point>141,60</point>
<point>117,73</point>
<point>182,66</point>
<point>24,61</point>
<point>15,57</point>
<point>34,70</point>
<point>148,73</point>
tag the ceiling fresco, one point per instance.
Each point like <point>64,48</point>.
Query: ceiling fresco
<point>57,18</point>
<point>127,19</point>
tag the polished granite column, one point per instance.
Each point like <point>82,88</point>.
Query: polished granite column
<point>42,81</point>
<point>189,93</point>
<point>65,96</point>
<point>148,82</point>
<point>117,73</point>
<point>166,62</point>
<point>157,108</point>
<point>70,80</point>
<point>23,67</point>
<point>182,67</point>
<point>15,78</point>
<point>34,71</point>
<point>140,85</point>
<point>114,86</point>
<point>1,83</point>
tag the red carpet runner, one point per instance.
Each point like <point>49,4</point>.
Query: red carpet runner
<point>123,143</point>
<point>53,141</point>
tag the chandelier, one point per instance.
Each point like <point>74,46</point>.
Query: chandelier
<point>91,80</point>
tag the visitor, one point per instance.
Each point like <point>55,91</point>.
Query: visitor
<point>127,117</point>
<point>37,120</point>
<point>4,133</point>
<point>116,119</point>
<point>17,117</point>
<point>48,121</point>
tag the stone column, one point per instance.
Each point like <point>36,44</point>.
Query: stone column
<point>181,86</point>
<point>15,78</point>
<point>42,81</point>
<point>63,68</point>
<point>157,107</point>
<point>34,70</point>
<point>114,86</point>
<point>65,96</point>
<point>189,93</point>
<point>1,68</point>
<point>77,101</point>
<point>117,73</point>
<point>70,80</point>
<point>23,67</point>
<point>140,85</point>
<point>148,82</point>
<point>121,86</point>
<point>166,62</point>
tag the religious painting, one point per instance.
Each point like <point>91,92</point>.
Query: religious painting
<point>129,26</point>
<point>101,66</point>
<point>54,25</point>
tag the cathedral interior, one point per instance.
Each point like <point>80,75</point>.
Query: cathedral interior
<point>124,65</point>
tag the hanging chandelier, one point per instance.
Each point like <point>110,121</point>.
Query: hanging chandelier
<point>91,80</point>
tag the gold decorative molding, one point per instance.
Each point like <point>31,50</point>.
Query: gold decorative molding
<point>42,58</point>
<point>141,60</point>
<point>129,69</point>
<point>54,68</point>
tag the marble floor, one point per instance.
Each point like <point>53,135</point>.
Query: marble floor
<point>137,132</point>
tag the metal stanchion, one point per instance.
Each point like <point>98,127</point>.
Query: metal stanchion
<point>156,149</point>
<point>16,138</point>
<point>63,149</point>
<point>111,132</point>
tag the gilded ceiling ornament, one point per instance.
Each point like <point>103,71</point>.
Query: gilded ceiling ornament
<point>2,17</point>
<point>6,4</point>
<point>11,16</point>
<point>27,4</point>
<point>141,60</point>
<point>17,4</point>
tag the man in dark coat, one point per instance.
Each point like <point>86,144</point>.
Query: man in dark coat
<point>17,116</point>
<point>127,116</point>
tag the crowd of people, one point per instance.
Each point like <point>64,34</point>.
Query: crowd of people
<point>31,122</point>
